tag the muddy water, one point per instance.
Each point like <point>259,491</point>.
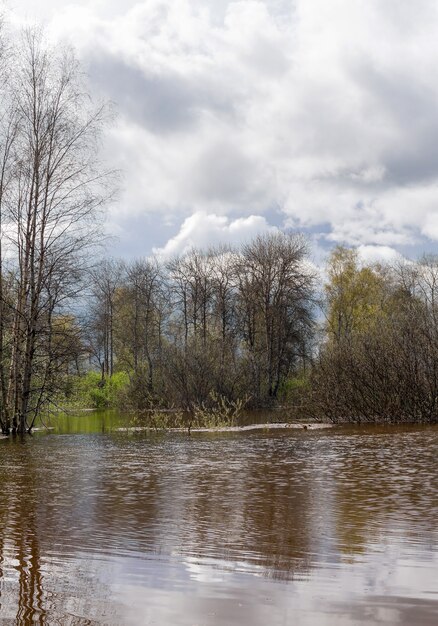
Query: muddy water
<point>294,527</point>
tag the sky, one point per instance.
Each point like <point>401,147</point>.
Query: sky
<point>236,118</point>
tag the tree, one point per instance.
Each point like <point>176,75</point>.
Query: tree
<point>379,362</point>
<point>275,302</point>
<point>142,308</point>
<point>106,278</point>
<point>53,186</point>
<point>191,280</point>
<point>354,293</point>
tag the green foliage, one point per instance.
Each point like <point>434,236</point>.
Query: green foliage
<point>292,389</point>
<point>91,391</point>
<point>356,295</point>
<point>380,362</point>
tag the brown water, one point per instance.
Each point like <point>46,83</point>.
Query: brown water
<point>294,527</point>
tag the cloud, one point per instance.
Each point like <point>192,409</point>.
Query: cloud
<point>376,254</point>
<point>325,110</point>
<point>202,230</point>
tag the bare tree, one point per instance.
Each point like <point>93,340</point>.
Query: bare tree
<point>8,134</point>
<point>107,279</point>
<point>142,313</point>
<point>191,283</point>
<point>275,301</point>
<point>56,187</point>
<point>221,323</point>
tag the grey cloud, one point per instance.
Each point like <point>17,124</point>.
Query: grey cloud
<point>416,163</point>
<point>163,103</point>
<point>223,172</point>
<point>410,107</point>
<point>394,128</point>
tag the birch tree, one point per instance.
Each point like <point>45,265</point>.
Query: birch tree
<point>55,187</point>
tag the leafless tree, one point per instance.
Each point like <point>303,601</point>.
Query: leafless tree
<point>52,187</point>
<point>275,300</point>
<point>107,278</point>
<point>143,311</point>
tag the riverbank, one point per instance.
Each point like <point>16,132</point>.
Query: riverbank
<point>232,429</point>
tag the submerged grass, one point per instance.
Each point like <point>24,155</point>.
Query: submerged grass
<point>218,412</point>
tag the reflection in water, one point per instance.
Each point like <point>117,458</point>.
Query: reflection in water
<point>281,527</point>
<point>386,484</point>
<point>19,544</point>
<point>30,606</point>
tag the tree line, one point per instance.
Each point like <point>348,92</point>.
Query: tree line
<point>258,323</point>
<point>231,323</point>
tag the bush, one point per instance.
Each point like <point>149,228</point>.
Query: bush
<point>293,389</point>
<point>91,391</point>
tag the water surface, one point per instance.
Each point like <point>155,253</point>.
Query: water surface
<point>290,527</point>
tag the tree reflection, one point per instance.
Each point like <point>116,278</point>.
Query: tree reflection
<point>21,580</point>
<point>80,514</point>
<point>30,600</point>
<point>209,502</point>
<point>383,482</point>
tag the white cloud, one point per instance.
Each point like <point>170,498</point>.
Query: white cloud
<point>326,110</point>
<point>202,230</point>
<point>376,254</point>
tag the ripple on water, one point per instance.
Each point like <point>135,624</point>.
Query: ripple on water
<point>309,527</point>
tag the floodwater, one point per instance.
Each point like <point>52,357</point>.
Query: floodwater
<point>336,526</point>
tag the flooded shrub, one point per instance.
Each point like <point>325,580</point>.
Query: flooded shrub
<point>379,360</point>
